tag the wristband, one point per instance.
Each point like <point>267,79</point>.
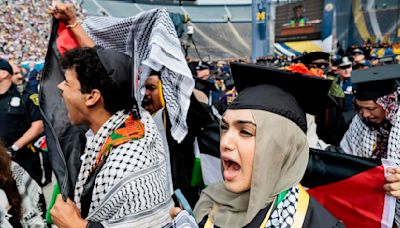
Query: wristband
<point>73,25</point>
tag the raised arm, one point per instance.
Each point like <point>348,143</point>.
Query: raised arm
<point>66,13</point>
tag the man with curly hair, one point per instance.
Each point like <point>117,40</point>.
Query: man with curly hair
<point>123,177</point>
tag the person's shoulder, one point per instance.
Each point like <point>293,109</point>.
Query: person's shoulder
<point>31,96</point>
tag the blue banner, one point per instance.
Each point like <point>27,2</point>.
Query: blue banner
<point>260,9</point>
<point>327,25</point>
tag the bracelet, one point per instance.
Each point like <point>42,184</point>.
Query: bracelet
<point>73,25</point>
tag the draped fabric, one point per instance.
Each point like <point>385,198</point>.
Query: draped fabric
<point>361,140</point>
<point>151,38</point>
<point>133,187</point>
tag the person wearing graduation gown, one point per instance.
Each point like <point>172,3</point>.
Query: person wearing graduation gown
<point>264,154</point>
<point>374,131</point>
<point>316,60</point>
<point>332,123</point>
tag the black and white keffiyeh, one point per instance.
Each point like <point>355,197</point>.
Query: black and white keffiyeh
<point>360,140</point>
<point>283,214</point>
<point>4,216</point>
<point>152,39</point>
<point>30,193</point>
<point>132,188</point>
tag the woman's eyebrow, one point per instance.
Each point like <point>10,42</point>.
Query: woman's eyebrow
<point>246,122</point>
<point>240,122</point>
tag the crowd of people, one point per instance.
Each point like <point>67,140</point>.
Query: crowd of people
<point>234,137</point>
<point>25,30</point>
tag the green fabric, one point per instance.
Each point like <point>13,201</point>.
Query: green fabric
<point>56,191</point>
<point>115,136</point>
<point>197,176</point>
<point>281,196</point>
<point>335,89</point>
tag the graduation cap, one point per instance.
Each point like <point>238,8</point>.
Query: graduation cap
<point>375,82</point>
<point>313,58</point>
<point>284,93</point>
<point>204,85</point>
<point>116,64</point>
<point>119,67</point>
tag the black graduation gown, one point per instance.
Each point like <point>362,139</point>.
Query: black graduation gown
<point>333,123</point>
<point>316,217</point>
<point>182,154</point>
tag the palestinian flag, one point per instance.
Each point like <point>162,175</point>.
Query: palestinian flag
<point>207,165</point>
<point>64,142</point>
<point>350,188</point>
<point>41,143</point>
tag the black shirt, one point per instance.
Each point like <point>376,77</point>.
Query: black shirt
<point>17,112</point>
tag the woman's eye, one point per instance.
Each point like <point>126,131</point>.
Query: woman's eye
<point>246,133</point>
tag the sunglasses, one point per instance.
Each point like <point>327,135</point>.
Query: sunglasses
<point>319,65</point>
<point>344,67</point>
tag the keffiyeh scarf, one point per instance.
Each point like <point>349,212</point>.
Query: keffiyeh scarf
<point>132,188</point>
<point>30,192</point>
<point>4,216</point>
<point>151,37</point>
<point>283,214</point>
<point>362,140</point>
<point>390,103</point>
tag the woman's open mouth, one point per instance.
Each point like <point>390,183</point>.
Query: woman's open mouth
<point>231,169</point>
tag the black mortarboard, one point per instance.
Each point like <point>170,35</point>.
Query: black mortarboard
<point>342,61</point>
<point>5,65</point>
<point>285,93</point>
<point>119,67</point>
<point>154,72</point>
<point>311,57</point>
<point>204,85</point>
<point>375,82</point>
<point>117,64</point>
